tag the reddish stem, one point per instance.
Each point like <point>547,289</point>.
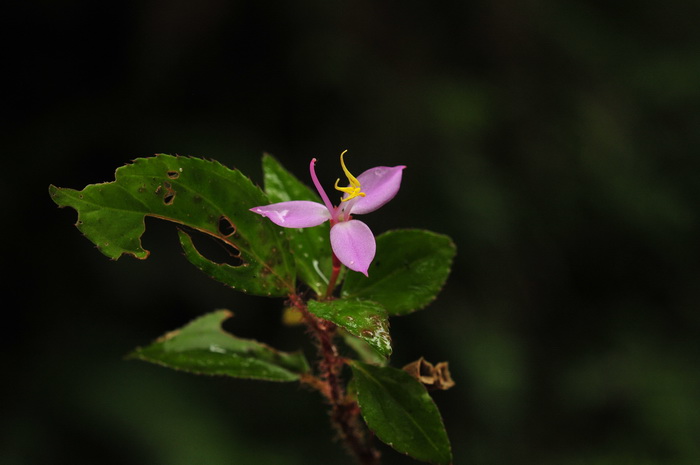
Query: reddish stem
<point>334,277</point>
<point>344,411</point>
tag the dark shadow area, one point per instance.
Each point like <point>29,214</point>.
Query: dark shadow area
<point>555,141</point>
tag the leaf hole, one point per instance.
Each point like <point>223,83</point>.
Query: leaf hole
<point>169,194</point>
<point>173,174</point>
<point>226,228</point>
<point>214,249</point>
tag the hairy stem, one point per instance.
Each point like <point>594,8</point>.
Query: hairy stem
<point>344,411</point>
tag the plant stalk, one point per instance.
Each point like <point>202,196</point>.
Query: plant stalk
<point>334,277</point>
<point>344,413</point>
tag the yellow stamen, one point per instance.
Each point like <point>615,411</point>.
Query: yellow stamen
<point>354,189</point>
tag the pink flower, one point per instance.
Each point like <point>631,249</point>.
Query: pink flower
<point>351,240</point>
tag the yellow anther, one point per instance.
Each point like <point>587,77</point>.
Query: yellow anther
<point>353,180</point>
<point>354,189</point>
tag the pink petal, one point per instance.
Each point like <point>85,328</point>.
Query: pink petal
<point>353,243</point>
<point>380,184</point>
<point>294,214</point>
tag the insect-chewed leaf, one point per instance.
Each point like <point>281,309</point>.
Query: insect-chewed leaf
<point>401,413</point>
<point>202,347</point>
<point>363,349</point>
<point>203,195</point>
<point>311,246</point>
<point>361,318</point>
<point>409,270</point>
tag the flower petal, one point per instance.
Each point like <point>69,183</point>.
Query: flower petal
<point>354,245</point>
<point>380,184</point>
<point>294,214</point>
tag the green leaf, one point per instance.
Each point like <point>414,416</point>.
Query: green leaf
<point>407,273</point>
<point>364,351</point>
<point>311,246</point>
<point>204,195</point>
<point>399,410</point>
<point>202,347</point>
<point>364,319</point>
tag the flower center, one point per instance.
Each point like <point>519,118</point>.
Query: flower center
<point>354,189</point>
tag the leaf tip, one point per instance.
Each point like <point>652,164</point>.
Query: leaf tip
<point>55,194</point>
<point>225,314</point>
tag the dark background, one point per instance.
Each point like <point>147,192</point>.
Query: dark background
<point>555,141</point>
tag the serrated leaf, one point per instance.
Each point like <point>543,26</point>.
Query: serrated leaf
<point>311,246</point>
<point>361,318</point>
<point>410,268</point>
<point>202,347</point>
<point>203,195</point>
<point>241,278</point>
<point>401,413</point>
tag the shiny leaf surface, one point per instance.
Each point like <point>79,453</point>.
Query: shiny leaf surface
<point>410,268</point>
<point>202,347</point>
<point>401,413</point>
<point>203,195</point>
<point>363,319</point>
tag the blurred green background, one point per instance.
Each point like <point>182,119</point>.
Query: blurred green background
<point>555,141</point>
